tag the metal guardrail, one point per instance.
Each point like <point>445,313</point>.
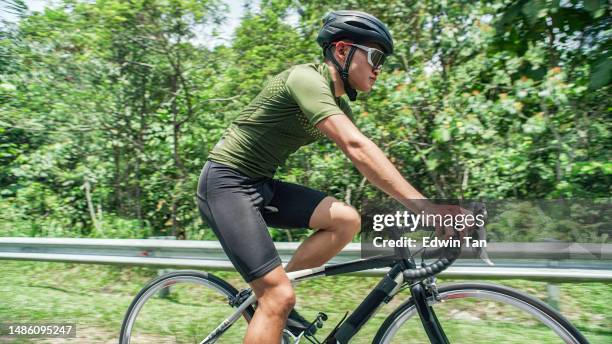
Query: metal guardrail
<point>535,261</point>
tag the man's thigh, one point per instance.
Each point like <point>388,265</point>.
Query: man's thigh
<point>302,207</point>
<point>230,203</point>
<point>293,205</point>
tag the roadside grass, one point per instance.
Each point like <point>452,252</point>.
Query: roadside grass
<point>97,296</point>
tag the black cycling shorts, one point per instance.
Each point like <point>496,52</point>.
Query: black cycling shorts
<point>233,205</point>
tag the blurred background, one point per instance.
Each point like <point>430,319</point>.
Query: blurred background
<point>108,109</point>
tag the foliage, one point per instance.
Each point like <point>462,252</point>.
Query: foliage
<point>483,99</point>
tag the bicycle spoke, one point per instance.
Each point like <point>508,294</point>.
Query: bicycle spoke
<point>190,311</point>
<point>482,315</point>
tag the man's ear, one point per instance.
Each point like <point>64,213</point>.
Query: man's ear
<point>341,50</point>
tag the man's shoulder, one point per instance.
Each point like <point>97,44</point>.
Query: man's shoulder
<point>294,75</point>
<point>305,70</point>
<point>304,67</point>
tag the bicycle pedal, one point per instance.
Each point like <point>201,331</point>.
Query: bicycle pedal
<point>321,318</point>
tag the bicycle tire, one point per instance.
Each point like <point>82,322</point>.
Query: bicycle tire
<point>547,316</point>
<point>221,290</point>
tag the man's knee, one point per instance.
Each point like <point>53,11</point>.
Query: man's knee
<point>274,292</point>
<point>347,220</point>
<point>285,296</point>
<point>278,299</point>
<point>336,216</point>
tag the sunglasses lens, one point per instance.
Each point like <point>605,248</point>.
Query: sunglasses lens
<point>377,57</point>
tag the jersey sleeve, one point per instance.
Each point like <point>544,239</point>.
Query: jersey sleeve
<point>312,94</point>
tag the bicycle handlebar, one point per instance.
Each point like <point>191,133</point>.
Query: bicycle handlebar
<point>448,255</point>
<point>434,268</point>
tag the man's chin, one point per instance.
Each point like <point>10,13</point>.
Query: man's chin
<point>366,89</point>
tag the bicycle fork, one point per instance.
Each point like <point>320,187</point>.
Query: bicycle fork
<point>428,316</point>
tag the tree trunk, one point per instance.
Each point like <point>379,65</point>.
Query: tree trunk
<point>118,194</point>
<point>175,153</point>
<point>90,206</point>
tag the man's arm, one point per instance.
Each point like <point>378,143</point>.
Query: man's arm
<point>370,160</point>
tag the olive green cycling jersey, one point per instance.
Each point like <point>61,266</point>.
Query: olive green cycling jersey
<point>280,120</point>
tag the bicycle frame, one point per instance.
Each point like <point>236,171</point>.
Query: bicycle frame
<point>382,293</point>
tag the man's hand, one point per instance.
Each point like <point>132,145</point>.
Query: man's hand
<point>457,213</point>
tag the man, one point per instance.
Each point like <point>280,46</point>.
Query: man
<point>298,106</point>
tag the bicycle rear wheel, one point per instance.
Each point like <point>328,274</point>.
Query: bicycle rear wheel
<point>474,313</point>
<point>195,305</point>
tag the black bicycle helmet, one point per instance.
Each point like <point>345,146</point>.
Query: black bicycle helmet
<point>358,27</point>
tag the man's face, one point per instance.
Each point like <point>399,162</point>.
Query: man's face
<point>361,74</point>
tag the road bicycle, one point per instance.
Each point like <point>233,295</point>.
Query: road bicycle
<point>219,313</point>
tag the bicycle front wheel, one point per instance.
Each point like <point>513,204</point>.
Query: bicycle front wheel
<point>182,307</point>
<point>474,313</point>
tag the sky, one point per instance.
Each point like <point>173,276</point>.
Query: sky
<point>233,19</point>
<point>33,5</point>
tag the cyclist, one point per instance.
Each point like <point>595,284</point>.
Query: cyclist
<point>238,196</point>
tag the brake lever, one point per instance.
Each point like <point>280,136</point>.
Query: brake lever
<point>482,251</point>
<point>482,235</point>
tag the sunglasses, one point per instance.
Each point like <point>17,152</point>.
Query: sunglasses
<point>376,58</point>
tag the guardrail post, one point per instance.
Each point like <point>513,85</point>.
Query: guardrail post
<point>552,289</point>
<point>553,295</point>
<point>164,292</point>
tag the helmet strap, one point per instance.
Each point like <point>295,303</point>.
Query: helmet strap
<point>344,72</point>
